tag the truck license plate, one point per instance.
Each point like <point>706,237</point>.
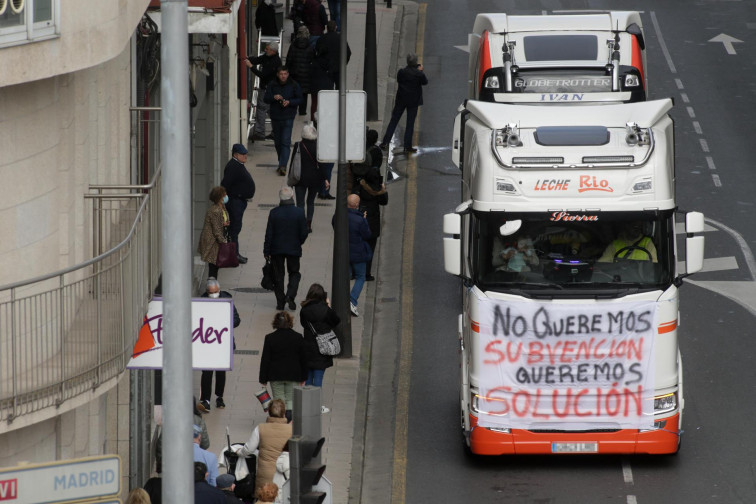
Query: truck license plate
<point>591,447</point>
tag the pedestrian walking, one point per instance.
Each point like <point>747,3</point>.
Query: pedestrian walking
<point>334,9</point>
<point>312,176</point>
<point>317,317</point>
<point>215,229</point>
<point>409,96</point>
<point>328,52</point>
<point>265,18</point>
<point>299,60</point>
<point>204,492</point>
<point>226,484</point>
<point>284,96</point>
<point>264,66</point>
<point>373,195</point>
<point>359,249</point>
<point>240,189</point>
<point>206,457</point>
<point>284,235</point>
<point>213,291</point>
<point>283,360</point>
<point>269,440</point>
<point>314,18</point>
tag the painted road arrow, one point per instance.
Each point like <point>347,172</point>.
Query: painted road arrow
<point>727,41</point>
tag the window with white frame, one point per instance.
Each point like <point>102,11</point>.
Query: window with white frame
<point>24,21</point>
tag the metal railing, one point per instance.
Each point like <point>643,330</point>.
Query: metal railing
<point>66,333</point>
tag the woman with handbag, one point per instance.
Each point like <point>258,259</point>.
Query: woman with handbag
<point>214,229</point>
<point>317,317</point>
<point>312,176</point>
<point>283,360</point>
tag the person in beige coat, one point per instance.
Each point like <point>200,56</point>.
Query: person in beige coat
<point>214,229</point>
<point>269,439</point>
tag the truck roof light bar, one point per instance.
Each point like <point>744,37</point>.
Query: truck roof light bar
<point>608,159</point>
<point>537,160</point>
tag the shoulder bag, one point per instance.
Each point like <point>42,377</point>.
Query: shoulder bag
<point>295,167</point>
<point>328,343</point>
<point>227,255</point>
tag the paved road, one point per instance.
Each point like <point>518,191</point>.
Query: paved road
<point>714,96</point>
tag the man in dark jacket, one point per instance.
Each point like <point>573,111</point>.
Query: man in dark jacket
<point>284,236</point>
<point>359,249</point>
<point>226,484</point>
<point>299,60</point>
<point>214,291</point>
<point>409,95</point>
<point>328,53</point>
<point>265,18</point>
<point>284,96</point>
<point>203,492</point>
<point>240,188</point>
<point>269,62</point>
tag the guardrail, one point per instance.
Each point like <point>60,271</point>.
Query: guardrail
<point>68,332</point>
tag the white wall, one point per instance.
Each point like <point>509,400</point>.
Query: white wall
<point>57,136</point>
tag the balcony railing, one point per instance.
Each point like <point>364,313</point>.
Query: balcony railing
<point>67,333</point>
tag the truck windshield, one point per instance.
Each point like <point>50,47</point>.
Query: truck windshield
<point>561,251</point>
<point>562,81</point>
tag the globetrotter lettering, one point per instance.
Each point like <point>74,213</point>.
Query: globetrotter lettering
<point>566,217</point>
<point>577,364</point>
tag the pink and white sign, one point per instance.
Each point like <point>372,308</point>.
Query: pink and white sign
<point>580,366</point>
<point>212,336</point>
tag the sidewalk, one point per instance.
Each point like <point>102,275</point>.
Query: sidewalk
<point>343,385</point>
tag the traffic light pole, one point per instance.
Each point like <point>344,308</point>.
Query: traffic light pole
<point>305,446</point>
<point>340,279</point>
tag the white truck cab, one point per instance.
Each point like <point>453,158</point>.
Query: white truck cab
<point>565,241</point>
<point>566,58</point>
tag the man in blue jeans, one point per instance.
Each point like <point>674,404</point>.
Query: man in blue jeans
<point>284,96</point>
<point>359,249</point>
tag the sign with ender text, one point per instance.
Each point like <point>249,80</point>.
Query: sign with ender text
<point>212,335</point>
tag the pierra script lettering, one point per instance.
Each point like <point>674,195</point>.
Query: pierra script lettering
<point>567,217</point>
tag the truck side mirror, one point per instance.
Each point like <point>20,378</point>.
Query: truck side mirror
<point>694,245</point>
<point>453,244</point>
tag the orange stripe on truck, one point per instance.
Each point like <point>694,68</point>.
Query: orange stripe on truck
<point>667,327</point>
<point>474,326</point>
<point>484,60</point>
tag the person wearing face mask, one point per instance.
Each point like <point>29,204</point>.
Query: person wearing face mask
<point>215,229</point>
<point>213,291</point>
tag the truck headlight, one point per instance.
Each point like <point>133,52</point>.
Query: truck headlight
<point>491,82</point>
<point>665,403</point>
<point>632,81</point>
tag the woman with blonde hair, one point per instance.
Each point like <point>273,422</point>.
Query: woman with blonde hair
<point>214,231</point>
<point>138,496</point>
<point>269,439</point>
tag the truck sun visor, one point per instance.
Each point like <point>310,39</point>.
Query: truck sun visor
<point>572,135</point>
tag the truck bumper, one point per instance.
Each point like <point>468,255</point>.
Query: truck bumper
<point>664,440</point>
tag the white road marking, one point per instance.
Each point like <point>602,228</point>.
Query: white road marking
<point>627,471</point>
<point>704,144</point>
<point>691,112</point>
<point>679,84</point>
<point>697,127</point>
<point>717,181</point>
<point>631,499</point>
<point>685,97</point>
<point>662,44</point>
<point>710,162</point>
<point>714,264</point>
<point>744,248</point>
<point>727,41</point>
